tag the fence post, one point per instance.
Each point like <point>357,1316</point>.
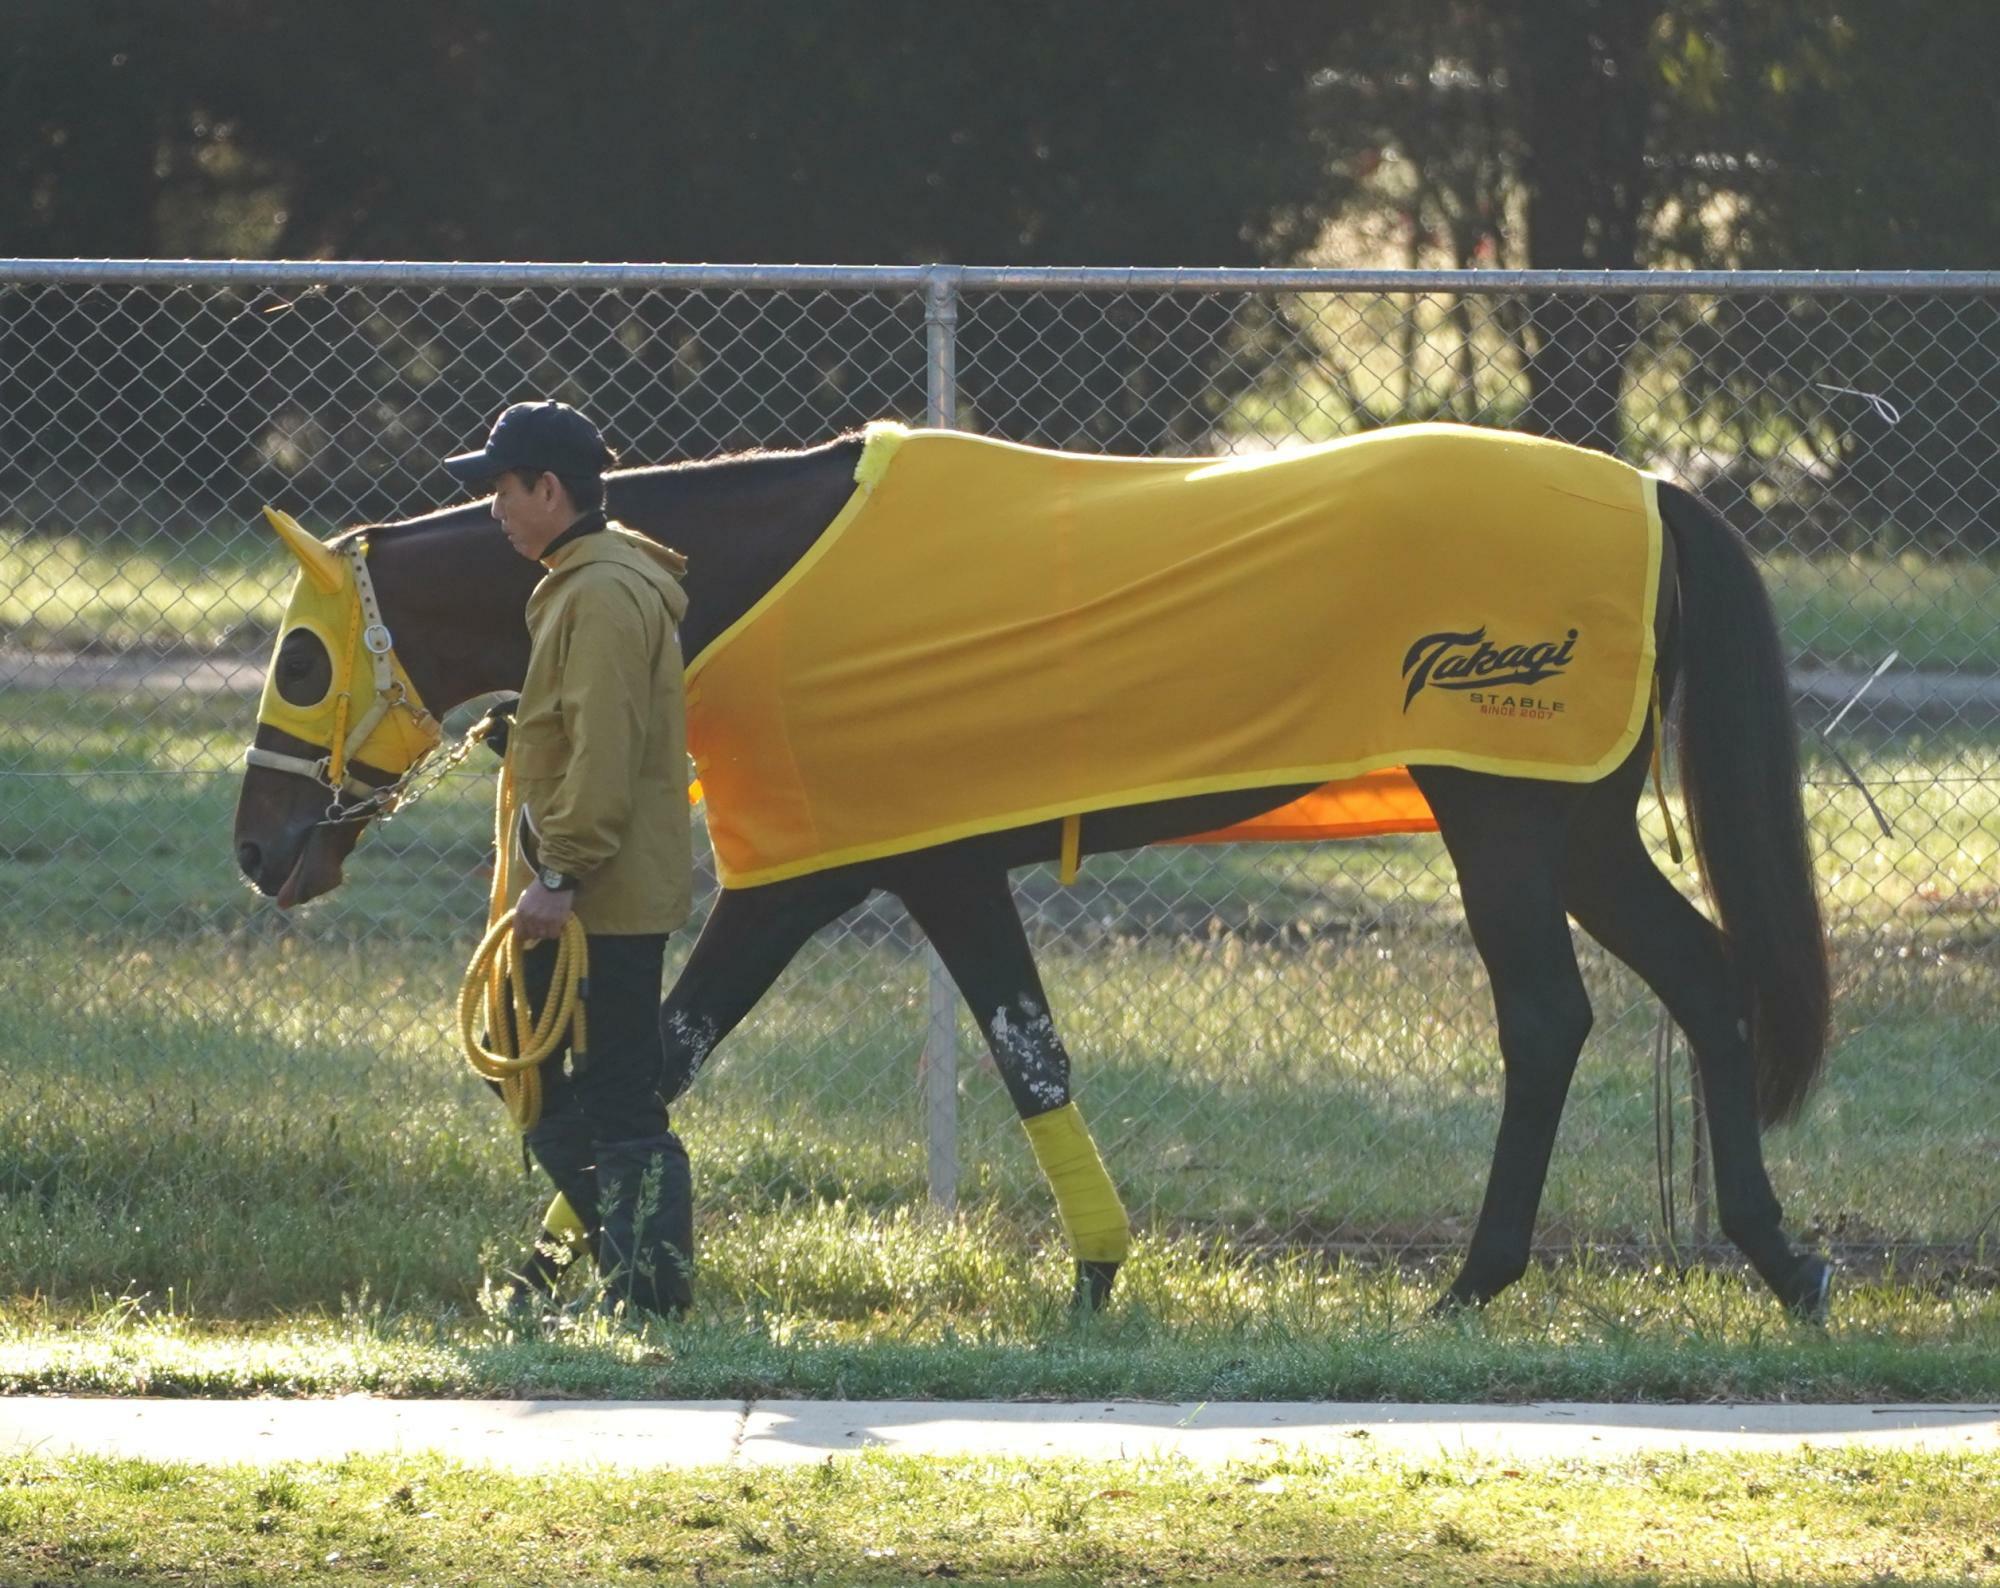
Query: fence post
<point>941,1037</point>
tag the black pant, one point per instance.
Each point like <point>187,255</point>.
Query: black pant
<point>616,1082</point>
<point>613,1092</point>
<point>602,1136</point>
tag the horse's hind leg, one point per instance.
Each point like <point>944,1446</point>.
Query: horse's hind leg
<point>1620,898</point>
<point>966,909</point>
<point>1506,838</point>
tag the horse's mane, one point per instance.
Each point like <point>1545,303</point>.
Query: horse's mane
<point>720,469</point>
<point>722,472</point>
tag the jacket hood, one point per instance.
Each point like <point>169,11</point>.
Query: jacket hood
<point>667,560</point>
<point>662,564</point>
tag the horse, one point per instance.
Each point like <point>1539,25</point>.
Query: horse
<point>1749,988</point>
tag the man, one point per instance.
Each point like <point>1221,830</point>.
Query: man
<point>599,745</point>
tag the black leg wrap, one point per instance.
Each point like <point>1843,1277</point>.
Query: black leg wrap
<point>1093,1286</point>
<point>645,1245</point>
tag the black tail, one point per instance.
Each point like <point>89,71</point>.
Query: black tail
<point>1740,771</point>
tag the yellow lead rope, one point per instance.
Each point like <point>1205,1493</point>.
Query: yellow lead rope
<point>495,991</point>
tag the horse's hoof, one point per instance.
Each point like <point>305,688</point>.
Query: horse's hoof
<point>1455,1303</point>
<point>1811,1300</point>
<point>1093,1286</point>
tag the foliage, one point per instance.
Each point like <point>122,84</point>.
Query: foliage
<point>1806,1517</point>
<point>835,1301</point>
<point>1569,133</point>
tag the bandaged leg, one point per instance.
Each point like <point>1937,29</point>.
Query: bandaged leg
<point>1093,1218</point>
<point>967,911</point>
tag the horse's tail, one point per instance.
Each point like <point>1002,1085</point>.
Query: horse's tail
<point>1740,771</point>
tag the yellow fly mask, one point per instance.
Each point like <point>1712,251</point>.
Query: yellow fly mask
<point>381,724</point>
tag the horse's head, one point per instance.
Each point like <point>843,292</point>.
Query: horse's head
<point>339,723</point>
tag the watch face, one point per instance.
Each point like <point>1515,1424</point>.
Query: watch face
<point>554,881</point>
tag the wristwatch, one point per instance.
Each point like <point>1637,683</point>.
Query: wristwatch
<point>555,881</point>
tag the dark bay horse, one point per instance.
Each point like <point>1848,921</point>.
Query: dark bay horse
<point>1751,994</point>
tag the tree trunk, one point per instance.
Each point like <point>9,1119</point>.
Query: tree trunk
<point>1582,66</point>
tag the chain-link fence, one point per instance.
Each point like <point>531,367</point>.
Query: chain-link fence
<point>1274,1043</point>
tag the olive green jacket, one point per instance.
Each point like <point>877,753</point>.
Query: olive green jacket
<point>599,740</point>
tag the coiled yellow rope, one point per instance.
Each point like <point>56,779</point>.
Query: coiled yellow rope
<point>496,985</point>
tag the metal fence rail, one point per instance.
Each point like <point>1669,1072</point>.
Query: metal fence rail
<point>1277,1043</point>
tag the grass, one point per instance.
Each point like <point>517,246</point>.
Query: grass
<point>247,1124</point>
<point>1938,614</point>
<point>255,1125</point>
<point>840,1301</point>
<point>1818,1516</point>
<point>211,588</point>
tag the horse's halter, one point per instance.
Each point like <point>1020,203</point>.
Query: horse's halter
<point>334,599</point>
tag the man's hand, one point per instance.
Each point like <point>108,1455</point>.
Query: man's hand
<point>542,913</point>
<point>500,723</point>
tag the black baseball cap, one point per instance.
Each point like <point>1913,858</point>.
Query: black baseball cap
<point>543,437</point>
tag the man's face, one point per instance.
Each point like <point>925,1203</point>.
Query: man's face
<point>531,511</point>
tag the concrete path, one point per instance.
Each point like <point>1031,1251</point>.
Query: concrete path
<point>532,1436</point>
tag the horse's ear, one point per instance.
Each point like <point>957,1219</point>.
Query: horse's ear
<point>321,565</point>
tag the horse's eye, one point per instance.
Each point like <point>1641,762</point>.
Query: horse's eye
<point>302,669</point>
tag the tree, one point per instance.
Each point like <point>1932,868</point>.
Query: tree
<point>1850,139</point>
<point>1044,132</point>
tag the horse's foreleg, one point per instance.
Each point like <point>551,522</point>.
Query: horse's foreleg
<point>750,936</point>
<point>1506,838</point>
<point>1619,896</point>
<point>967,911</point>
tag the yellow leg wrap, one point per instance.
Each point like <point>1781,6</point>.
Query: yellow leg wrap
<point>561,1221</point>
<point>1092,1216</point>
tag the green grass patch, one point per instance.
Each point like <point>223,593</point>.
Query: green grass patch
<point>251,1121</point>
<point>213,588</point>
<point>1938,614</point>
<point>264,1126</point>
<point>1819,1516</point>
<point>841,1301</point>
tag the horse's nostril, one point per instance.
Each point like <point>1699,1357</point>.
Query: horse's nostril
<point>249,857</point>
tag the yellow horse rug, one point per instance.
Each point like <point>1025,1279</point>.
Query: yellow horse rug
<point>991,635</point>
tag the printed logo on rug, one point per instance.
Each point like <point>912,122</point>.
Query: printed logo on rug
<point>1448,660</point>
